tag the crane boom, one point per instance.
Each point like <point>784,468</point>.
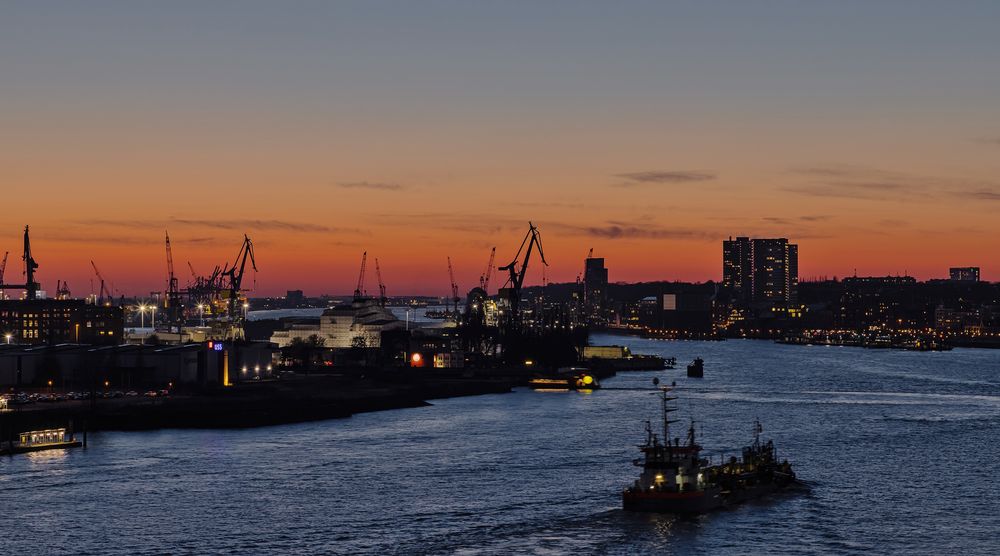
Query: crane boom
<point>359,290</point>
<point>3,266</point>
<point>103,290</point>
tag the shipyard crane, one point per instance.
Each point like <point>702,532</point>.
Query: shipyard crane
<point>194,274</point>
<point>103,290</point>
<point>30,286</point>
<point>381,285</point>
<point>484,280</point>
<point>173,295</point>
<point>359,290</point>
<point>3,266</point>
<point>235,275</point>
<point>62,290</point>
<point>516,277</point>
<point>454,286</point>
<point>30,265</point>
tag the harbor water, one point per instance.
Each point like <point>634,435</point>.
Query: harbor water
<point>901,450</point>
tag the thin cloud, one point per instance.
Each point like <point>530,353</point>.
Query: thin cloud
<point>633,179</point>
<point>982,194</point>
<point>214,224</point>
<point>615,230</point>
<point>989,140</point>
<point>378,186</point>
<point>854,182</point>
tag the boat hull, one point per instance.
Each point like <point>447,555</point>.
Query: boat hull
<point>694,502</point>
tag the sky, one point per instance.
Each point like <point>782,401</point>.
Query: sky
<point>866,132</point>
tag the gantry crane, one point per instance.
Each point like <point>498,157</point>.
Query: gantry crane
<point>359,290</point>
<point>3,266</point>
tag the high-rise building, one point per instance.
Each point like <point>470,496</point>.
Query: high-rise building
<point>595,287</point>
<point>761,270</point>
<point>964,274</point>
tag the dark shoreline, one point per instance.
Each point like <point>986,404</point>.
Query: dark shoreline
<point>296,400</point>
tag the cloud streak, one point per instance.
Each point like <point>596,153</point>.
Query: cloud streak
<point>220,224</point>
<point>633,179</point>
<point>855,182</point>
<point>376,186</point>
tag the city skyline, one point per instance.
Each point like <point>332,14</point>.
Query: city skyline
<point>421,132</point>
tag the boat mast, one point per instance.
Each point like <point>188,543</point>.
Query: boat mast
<point>667,409</point>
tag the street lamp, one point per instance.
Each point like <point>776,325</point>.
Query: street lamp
<point>201,313</point>
<point>8,336</point>
<point>245,307</point>
<point>152,322</point>
<point>142,316</point>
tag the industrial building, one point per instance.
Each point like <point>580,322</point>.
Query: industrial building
<point>57,321</point>
<point>964,274</point>
<point>83,366</point>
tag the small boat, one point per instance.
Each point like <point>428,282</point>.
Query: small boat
<point>578,380</point>
<point>697,368</point>
<point>37,441</point>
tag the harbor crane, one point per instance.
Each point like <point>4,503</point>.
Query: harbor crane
<point>235,277</point>
<point>381,285</point>
<point>359,290</point>
<point>454,286</point>
<point>516,275</point>
<point>103,290</point>
<point>3,266</point>
<point>30,265</point>
<point>172,297</point>
<point>484,280</point>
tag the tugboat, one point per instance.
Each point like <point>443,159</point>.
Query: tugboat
<point>697,368</point>
<point>675,479</point>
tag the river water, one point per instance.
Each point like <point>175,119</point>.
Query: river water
<point>901,450</point>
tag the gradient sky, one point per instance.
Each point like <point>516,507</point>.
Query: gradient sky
<point>868,132</point>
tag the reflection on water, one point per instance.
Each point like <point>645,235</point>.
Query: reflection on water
<point>900,449</point>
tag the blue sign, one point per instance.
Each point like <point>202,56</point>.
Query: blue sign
<point>218,346</point>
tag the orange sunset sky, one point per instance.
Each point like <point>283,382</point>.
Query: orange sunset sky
<point>418,131</point>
